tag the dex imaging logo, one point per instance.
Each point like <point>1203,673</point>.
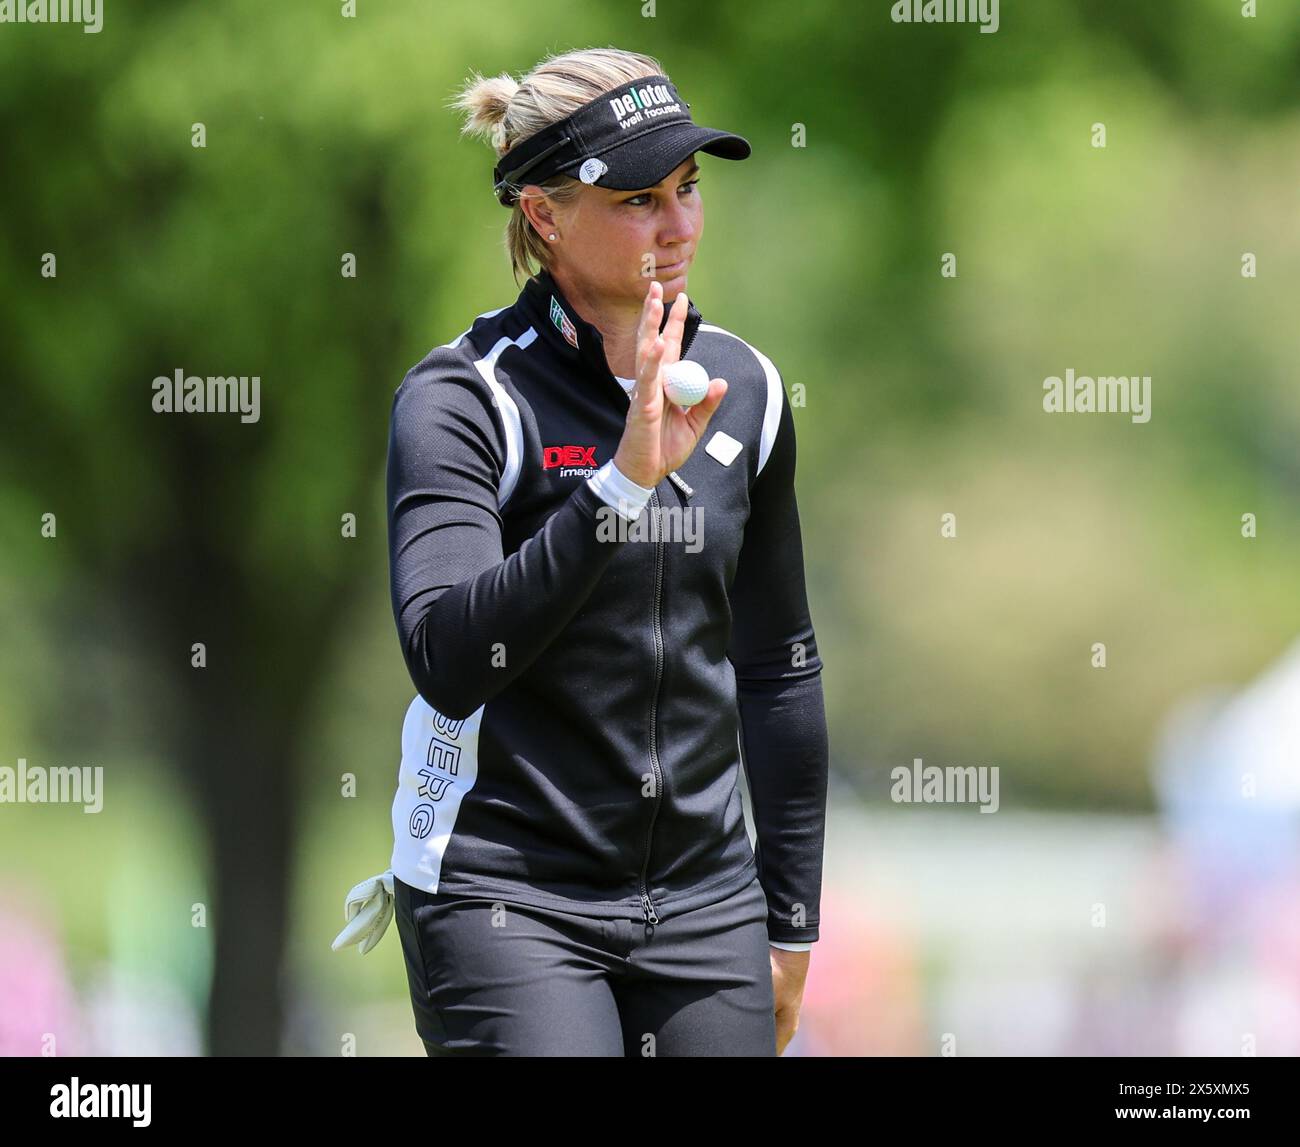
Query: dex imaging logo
<point>77,1100</point>
<point>981,12</point>
<point>572,461</point>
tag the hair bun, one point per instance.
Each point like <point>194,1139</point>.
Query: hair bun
<point>485,100</point>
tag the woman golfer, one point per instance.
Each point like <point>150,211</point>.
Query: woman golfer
<point>599,589</point>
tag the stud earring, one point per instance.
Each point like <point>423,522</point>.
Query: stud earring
<point>551,236</point>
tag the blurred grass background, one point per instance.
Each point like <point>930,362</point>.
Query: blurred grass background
<point>328,135</point>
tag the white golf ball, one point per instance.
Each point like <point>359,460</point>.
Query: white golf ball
<point>685,382</point>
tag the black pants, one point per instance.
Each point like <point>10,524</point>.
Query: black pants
<point>490,977</point>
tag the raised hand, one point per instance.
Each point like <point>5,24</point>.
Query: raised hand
<point>659,436</point>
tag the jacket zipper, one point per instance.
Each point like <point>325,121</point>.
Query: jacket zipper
<point>690,338</point>
<point>647,905</point>
<point>676,479</point>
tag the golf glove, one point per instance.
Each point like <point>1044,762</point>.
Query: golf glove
<point>368,910</point>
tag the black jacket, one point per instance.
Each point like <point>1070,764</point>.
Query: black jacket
<point>575,743</point>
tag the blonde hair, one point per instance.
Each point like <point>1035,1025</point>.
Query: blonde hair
<point>506,111</point>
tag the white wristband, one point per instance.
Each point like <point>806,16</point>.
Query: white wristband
<point>612,486</point>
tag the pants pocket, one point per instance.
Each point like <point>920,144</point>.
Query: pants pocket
<point>408,904</point>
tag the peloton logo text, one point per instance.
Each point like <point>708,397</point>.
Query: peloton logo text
<point>643,103</point>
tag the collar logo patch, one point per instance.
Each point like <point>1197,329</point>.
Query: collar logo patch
<point>563,323</point>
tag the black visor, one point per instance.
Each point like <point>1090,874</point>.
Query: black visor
<point>627,139</point>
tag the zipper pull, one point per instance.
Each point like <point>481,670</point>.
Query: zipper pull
<point>648,905</point>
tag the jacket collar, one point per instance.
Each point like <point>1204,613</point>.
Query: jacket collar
<point>577,341</point>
